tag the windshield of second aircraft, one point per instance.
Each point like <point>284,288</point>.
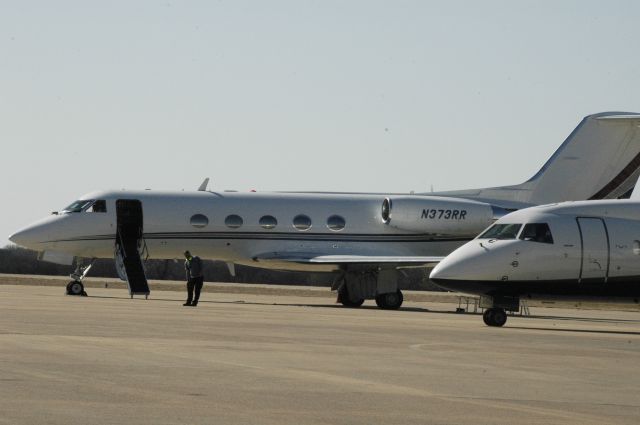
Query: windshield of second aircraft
<point>78,206</point>
<point>501,231</point>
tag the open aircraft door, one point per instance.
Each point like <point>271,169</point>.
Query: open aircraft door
<point>130,246</point>
<point>595,250</point>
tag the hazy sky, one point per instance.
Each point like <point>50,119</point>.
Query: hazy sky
<point>296,95</point>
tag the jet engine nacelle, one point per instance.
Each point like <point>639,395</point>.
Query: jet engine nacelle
<point>437,215</point>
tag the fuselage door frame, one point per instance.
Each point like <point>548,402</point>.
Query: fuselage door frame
<point>595,250</point>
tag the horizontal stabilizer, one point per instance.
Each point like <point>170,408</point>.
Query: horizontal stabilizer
<point>629,116</point>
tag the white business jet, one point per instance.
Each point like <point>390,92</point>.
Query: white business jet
<point>580,251</point>
<point>365,238</point>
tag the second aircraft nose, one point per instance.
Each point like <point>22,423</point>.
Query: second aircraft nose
<point>475,267</point>
<point>459,265</point>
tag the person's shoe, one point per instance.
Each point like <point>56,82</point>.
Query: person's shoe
<point>187,304</point>
<point>194,304</point>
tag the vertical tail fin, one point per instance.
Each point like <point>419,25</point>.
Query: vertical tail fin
<point>599,160</point>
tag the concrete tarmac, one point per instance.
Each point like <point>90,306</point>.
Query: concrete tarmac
<point>264,359</point>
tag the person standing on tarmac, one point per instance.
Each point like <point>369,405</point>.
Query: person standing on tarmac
<point>195,279</point>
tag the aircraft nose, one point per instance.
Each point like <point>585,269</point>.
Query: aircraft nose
<point>31,236</point>
<point>453,274</point>
<point>464,268</point>
<point>438,271</point>
<point>25,237</point>
<point>455,266</point>
<point>446,270</point>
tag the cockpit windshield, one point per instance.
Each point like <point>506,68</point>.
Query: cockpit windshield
<point>537,232</point>
<point>78,206</point>
<point>501,231</point>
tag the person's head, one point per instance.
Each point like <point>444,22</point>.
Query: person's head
<point>187,255</point>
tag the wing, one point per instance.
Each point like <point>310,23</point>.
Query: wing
<point>306,258</point>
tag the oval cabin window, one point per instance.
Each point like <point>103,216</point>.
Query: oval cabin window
<point>233,221</point>
<point>302,222</point>
<point>199,220</point>
<point>336,223</point>
<point>268,222</point>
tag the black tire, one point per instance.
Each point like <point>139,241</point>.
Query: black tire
<point>495,317</point>
<point>69,287</point>
<point>348,303</point>
<point>76,288</point>
<point>499,317</point>
<point>487,317</point>
<point>390,301</point>
<point>345,300</point>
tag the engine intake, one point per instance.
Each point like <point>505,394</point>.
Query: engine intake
<point>386,210</point>
<point>437,215</point>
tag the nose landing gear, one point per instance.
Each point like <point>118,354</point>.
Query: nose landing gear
<point>75,287</point>
<point>496,307</point>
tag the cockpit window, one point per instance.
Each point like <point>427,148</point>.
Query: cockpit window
<point>537,232</point>
<point>78,206</point>
<point>501,231</point>
<point>99,206</point>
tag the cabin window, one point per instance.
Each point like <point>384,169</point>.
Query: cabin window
<point>199,220</point>
<point>99,206</point>
<point>501,231</point>
<point>537,232</point>
<point>268,222</point>
<point>78,206</point>
<point>233,221</point>
<point>336,223</point>
<point>302,222</point>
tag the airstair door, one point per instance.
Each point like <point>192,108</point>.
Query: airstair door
<point>595,250</point>
<point>129,245</point>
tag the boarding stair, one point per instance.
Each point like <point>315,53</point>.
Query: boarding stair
<point>131,247</point>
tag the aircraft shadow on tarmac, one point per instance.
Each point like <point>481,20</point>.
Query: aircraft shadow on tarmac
<point>336,305</point>
<point>596,331</point>
<point>425,310</point>
<point>587,319</point>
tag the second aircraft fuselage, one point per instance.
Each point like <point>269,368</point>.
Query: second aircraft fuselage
<point>575,250</point>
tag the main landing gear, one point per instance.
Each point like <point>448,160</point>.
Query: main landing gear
<point>360,283</point>
<point>75,287</point>
<point>345,299</point>
<point>388,301</point>
<point>495,317</point>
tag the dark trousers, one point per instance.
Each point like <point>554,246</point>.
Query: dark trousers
<point>194,283</point>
